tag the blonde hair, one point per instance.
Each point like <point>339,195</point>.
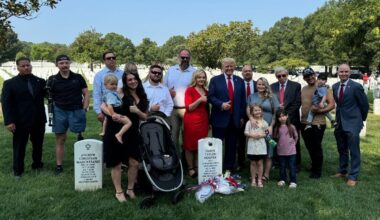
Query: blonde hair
<point>268,91</point>
<point>260,122</point>
<point>110,79</point>
<point>196,74</point>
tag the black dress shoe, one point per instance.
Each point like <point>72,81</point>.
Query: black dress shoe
<point>37,166</point>
<point>315,176</point>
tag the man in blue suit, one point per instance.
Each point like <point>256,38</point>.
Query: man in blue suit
<point>351,111</point>
<point>227,97</point>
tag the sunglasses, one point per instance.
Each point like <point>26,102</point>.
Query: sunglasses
<point>155,72</point>
<point>185,58</point>
<point>110,58</point>
<point>281,76</point>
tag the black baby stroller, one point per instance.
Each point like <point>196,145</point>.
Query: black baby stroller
<point>160,161</point>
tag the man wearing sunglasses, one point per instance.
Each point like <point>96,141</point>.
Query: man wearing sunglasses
<point>314,135</point>
<point>160,100</point>
<point>109,59</point>
<point>177,79</point>
<point>289,95</point>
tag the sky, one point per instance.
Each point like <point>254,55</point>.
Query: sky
<point>156,19</point>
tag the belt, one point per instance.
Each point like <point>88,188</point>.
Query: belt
<point>177,107</point>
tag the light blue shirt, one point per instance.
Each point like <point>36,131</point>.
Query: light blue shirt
<point>180,80</point>
<point>112,98</point>
<point>159,95</point>
<point>99,88</point>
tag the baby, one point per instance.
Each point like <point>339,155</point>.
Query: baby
<point>319,100</point>
<point>111,100</point>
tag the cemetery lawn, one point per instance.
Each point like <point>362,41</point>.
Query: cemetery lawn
<point>42,195</point>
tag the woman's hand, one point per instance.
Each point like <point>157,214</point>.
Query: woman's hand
<point>134,109</point>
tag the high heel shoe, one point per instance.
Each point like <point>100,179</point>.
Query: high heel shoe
<point>131,194</point>
<point>120,196</point>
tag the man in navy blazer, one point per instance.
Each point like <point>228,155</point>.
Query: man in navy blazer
<point>351,110</point>
<point>291,101</point>
<point>227,98</point>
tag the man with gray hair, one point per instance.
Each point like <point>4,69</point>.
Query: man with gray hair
<point>289,95</point>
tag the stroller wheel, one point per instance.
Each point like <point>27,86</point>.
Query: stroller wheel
<point>147,202</point>
<point>177,196</point>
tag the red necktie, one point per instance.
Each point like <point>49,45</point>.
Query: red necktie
<point>282,92</point>
<point>341,93</point>
<point>230,92</point>
<point>248,89</point>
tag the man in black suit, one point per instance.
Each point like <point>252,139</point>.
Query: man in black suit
<point>24,114</point>
<point>289,95</point>
<point>250,88</point>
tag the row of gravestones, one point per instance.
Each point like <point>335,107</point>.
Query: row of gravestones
<point>88,162</point>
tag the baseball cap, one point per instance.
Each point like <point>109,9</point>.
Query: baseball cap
<point>61,58</point>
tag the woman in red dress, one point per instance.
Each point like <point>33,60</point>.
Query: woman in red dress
<point>195,122</point>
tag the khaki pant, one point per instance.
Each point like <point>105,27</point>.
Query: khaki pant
<point>177,127</point>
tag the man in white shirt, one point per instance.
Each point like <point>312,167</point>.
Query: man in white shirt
<point>177,79</point>
<point>158,95</point>
<point>109,59</point>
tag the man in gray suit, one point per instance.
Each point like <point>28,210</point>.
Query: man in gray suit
<point>351,111</point>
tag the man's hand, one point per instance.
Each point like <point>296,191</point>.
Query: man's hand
<point>100,117</point>
<point>226,106</point>
<point>172,92</point>
<point>155,108</point>
<point>11,127</point>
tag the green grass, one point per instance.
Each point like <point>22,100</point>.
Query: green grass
<point>45,196</point>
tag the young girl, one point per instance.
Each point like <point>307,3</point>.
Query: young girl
<point>287,137</point>
<point>256,146</point>
<point>111,99</point>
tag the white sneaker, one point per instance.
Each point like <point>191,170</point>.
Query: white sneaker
<point>281,183</point>
<point>292,185</point>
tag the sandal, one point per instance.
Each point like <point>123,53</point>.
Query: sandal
<point>265,178</point>
<point>192,172</point>
<point>260,184</point>
<point>131,194</point>
<point>120,196</point>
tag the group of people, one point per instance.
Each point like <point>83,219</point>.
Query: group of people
<point>243,113</point>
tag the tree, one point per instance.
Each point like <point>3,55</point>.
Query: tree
<point>122,46</point>
<point>88,47</point>
<point>283,40</point>
<point>21,9</point>
<point>219,40</point>
<point>47,51</point>
<point>170,49</point>
<point>10,46</point>
<point>289,63</point>
<point>147,52</point>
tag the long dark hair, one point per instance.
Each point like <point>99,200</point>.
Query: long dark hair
<point>277,124</point>
<point>140,92</point>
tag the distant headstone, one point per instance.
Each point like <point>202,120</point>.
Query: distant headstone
<point>48,129</point>
<point>376,106</point>
<point>210,160</point>
<point>88,163</point>
<point>363,132</point>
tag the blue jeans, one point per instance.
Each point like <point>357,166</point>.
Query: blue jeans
<point>290,163</point>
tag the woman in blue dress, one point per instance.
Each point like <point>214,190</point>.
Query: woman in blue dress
<point>270,105</point>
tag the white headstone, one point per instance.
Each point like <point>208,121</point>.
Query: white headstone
<point>210,160</point>
<point>376,106</point>
<point>88,163</point>
<point>363,132</point>
<point>48,129</point>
